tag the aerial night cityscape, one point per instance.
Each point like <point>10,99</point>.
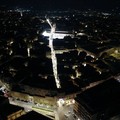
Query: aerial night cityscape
<point>59,59</point>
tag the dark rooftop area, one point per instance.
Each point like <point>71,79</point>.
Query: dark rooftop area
<point>101,98</point>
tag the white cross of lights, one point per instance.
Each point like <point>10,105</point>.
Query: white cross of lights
<point>53,55</point>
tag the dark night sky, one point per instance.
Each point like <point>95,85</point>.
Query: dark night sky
<point>63,4</point>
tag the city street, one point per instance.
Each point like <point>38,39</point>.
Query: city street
<point>66,113</point>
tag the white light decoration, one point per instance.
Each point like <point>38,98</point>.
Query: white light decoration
<point>53,55</point>
<point>28,51</point>
<point>84,64</point>
<point>61,102</point>
<point>45,33</point>
<point>58,34</point>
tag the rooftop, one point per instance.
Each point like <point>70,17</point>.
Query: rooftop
<point>101,98</point>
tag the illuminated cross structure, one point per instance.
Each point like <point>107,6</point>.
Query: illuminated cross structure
<point>53,55</point>
<point>41,100</point>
